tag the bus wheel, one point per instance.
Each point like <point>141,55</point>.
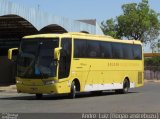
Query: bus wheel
<point>72,94</point>
<point>125,88</point>
<point>39,96</point>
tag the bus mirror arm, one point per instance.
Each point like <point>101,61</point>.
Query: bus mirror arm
<point>57,53</point>
<point>11,53</point>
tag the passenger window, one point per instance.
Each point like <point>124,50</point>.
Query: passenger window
<point>127,51</point>
<point>137,51</point>
<point>117,51</point>
<point>93,49</point>
<point>106,50</point>
<point>80,48</point>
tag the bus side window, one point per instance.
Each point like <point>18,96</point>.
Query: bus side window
<point>106,50</point>
<point>117,51</point>
<point>93,49</point>
<point>127,51</point>
<point>80,48</point>
<point>137,51</point>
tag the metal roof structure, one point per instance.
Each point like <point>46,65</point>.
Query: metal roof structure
<point>151,55</point>
<point>19,19</point>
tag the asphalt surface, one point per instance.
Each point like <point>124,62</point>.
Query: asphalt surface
<point>144,99</point>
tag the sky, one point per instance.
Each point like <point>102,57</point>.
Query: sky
<point>84,9</point>
<point>101,10</point>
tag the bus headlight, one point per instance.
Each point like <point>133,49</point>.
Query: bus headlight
<point>19,82</point>
<point>49,82</point>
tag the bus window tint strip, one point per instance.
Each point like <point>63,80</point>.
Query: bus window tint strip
<point>106,50</point>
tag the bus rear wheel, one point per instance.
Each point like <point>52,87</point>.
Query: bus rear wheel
<point>125,88</point>
<point>39,96</point>
<point>72,94</point>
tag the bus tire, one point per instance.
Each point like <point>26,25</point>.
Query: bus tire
<point>72,94</point>
<point>39,96</point>
<point>125,87</point>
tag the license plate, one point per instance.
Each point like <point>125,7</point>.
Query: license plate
<point>34,89</point>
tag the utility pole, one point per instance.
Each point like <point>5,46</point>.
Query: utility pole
<point>158,46</point>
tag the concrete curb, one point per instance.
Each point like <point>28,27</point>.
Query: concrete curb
<point>155,81</point>
<point>8,88</point>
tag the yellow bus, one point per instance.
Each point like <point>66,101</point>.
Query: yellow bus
<point>77,62</point>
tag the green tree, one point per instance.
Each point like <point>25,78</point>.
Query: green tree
<point>109,28</point>
<point>154,61</point>
<point>137,22</point>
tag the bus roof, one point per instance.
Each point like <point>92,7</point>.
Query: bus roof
<point>83,36</point>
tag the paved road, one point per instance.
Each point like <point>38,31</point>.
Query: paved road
<point>144,99</point>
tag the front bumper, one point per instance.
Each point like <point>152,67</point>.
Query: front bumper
<point>41,89</point>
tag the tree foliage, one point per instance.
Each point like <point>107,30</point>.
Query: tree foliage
<point>153,63</point>
<point>109,28</point>
<point>137,22</point>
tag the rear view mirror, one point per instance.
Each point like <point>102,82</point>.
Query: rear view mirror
<point>57,53</point>
<point>12,54</point>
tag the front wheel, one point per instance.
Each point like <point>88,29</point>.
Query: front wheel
<point>72,94</point>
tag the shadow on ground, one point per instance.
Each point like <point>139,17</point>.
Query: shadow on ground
<point>63,96</point>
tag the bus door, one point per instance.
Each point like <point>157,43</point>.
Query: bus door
<point>65,58</point>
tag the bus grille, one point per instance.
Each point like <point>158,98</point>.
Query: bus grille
<point>139,77</point>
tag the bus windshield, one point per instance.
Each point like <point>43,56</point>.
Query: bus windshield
<point>36,59</point>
